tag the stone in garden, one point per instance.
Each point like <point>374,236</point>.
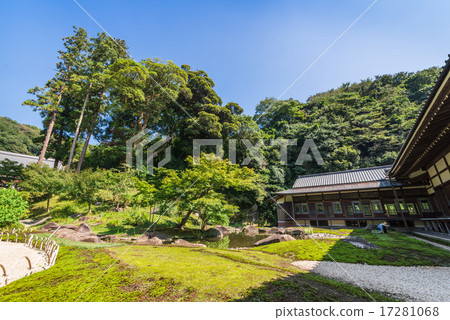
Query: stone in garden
<point>93,239</point>
<point>50,226</point>
<point>73,235</point>
<point>84,227</point>
<point>114,238</point>
<point>153,241</point>
<point>250,231</point>
<point>226,230</point>
<point>184,243</point>
<point>360,243</point>
<point>84,218</point>
<point>276,231</point>
<point>264,230</point>
<point>164,237</point>
<point>214,233</point>
<point>274,239</point>
<point>295,231</point>
<point>69,226</point>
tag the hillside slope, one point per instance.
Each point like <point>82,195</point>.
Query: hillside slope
<point>19,138</point>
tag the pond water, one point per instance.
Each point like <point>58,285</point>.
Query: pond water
<point>233,240</point>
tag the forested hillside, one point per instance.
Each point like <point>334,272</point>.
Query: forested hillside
<point>357,125</point>
<point>20,138</point>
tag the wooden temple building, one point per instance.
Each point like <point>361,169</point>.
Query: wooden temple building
<point>412,192</point>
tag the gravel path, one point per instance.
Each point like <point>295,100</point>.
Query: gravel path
<point>406,283</point>
<point>433,243</point>
<point>12,258</point>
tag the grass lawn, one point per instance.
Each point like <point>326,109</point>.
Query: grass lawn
<point>146,273</point>
<point>396,249</point>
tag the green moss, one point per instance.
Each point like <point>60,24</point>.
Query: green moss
<point>74,277</point>
<point>309,287</point>
<point>396,249</point>
<point>144,273</point>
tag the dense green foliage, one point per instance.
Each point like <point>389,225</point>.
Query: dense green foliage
<point>19,138</point>
<point>354,126</point>
<point>43,182</point>
<point>10,173</point>
<point>12,206</point>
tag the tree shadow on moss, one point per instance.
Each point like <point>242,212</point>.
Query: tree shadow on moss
<point>308,288</point>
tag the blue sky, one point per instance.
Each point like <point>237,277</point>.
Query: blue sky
<point>251,49</point>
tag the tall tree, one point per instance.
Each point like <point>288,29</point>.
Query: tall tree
<point>104,52</point>
<point>48,98</point>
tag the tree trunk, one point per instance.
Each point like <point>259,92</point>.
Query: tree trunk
<point>184,220</point>
<point>47,138</point>
<point>86,143</point>
<point>59,143</point>
<point>90,205</point>
<point>77,131</point>
<point>48,205</point>
<point>88,137</point>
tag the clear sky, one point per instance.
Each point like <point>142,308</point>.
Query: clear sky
<point>251,49</point>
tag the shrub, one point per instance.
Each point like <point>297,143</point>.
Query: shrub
<point>113,223</point>
<point>12,206</point>
<point>137,217</point>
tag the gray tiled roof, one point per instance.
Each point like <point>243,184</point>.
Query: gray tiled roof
<point>25,159</point>
<point>342,177</point>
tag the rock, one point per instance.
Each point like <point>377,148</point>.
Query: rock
<point>153,241</point>
<point>184,243</point>
<point>214,233</point>
<point>264,230</point>
<point>93,239</point>
<point>110,237</point>
<point>295,232</point>
<point>114,238</point>
<point>73,235</point>
<point>164,237</point>
<point>76,215</point>
<point>276,231</point>
<point>360,243</point>
<point>226,230</point>
<point>85,218</point>
<point>84,227</point>
<point>50,226</point>
<point>274,239</point>
<point>370,227</point>
<point>69,226</point>
<point>250,231</point>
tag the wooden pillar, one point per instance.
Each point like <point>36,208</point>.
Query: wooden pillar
<point>396,204</point>
<point>293,208</point>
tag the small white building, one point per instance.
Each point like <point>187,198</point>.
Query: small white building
<point>26,159</point>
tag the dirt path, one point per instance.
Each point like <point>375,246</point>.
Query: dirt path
<point>12,257</point>
<point>406,283</point>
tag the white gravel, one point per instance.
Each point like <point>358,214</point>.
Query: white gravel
<point>12,258</point>
<point>406,283</point>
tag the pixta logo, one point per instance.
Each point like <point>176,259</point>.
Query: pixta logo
<point>155,144</point>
